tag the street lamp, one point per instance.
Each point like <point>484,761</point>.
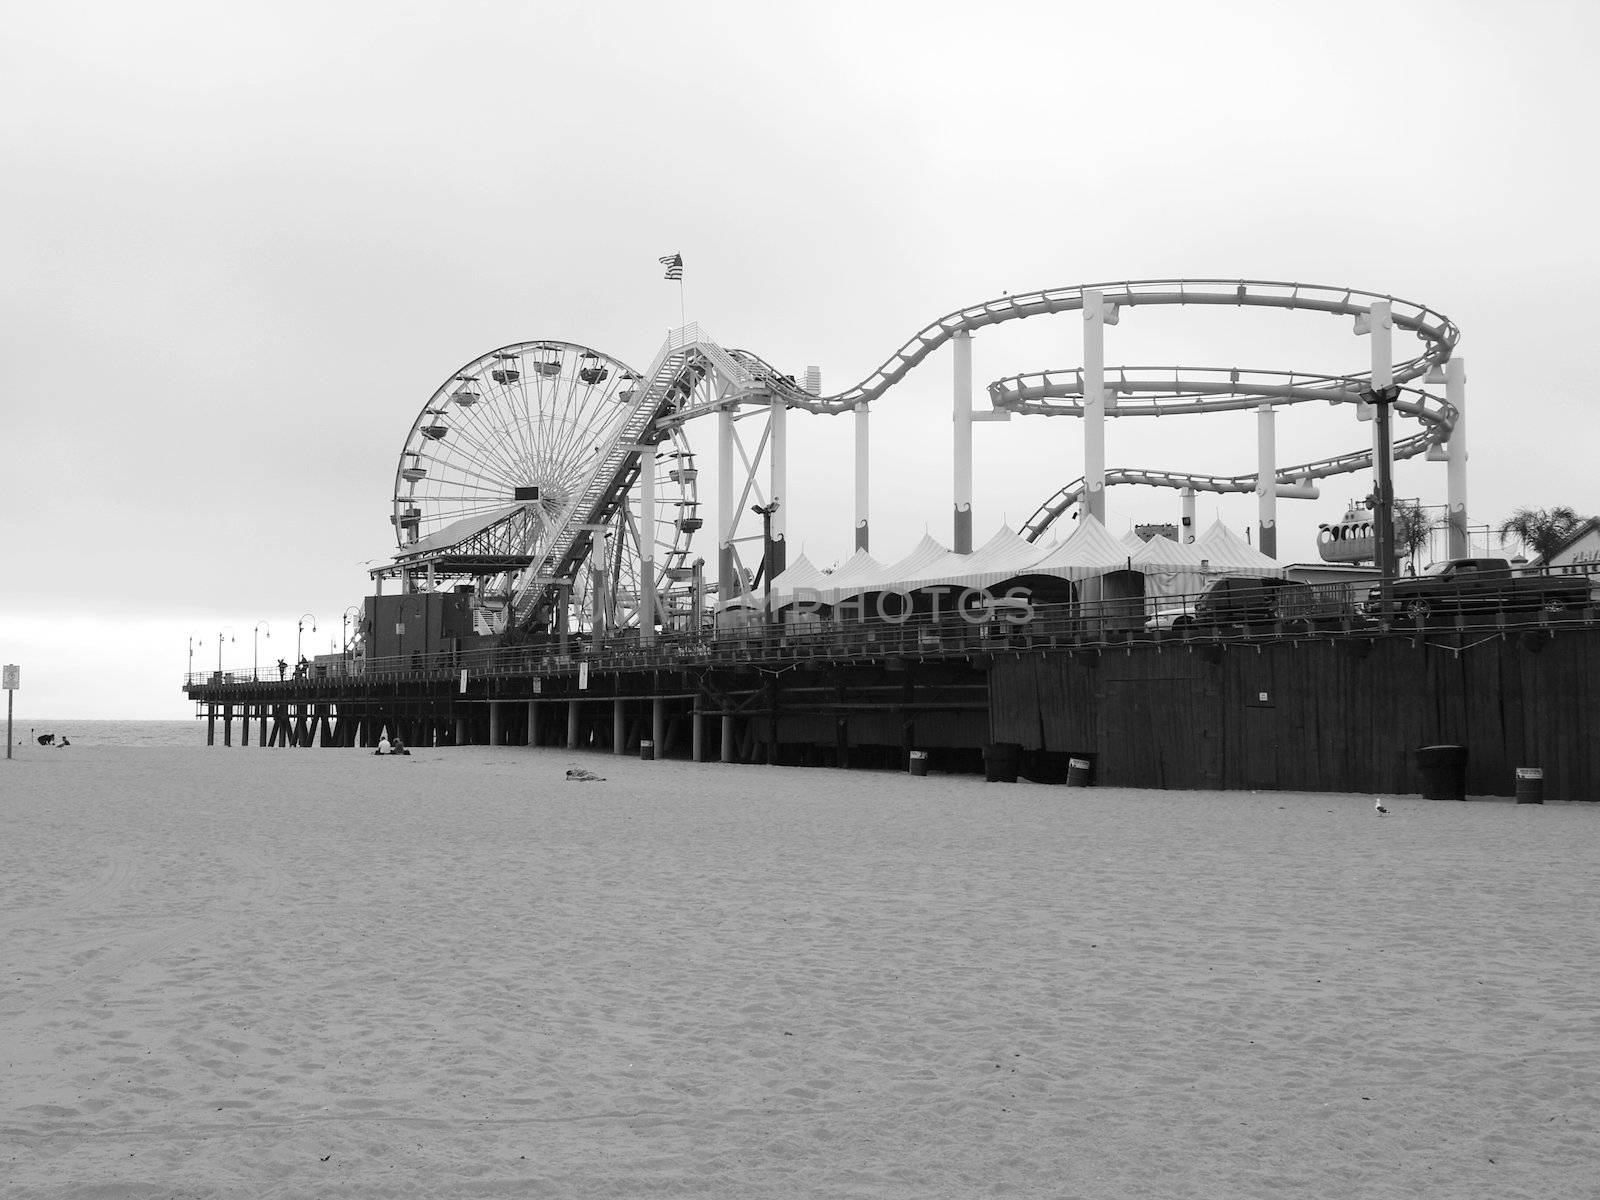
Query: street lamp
<point>299,629</point>
<point>255,664</point>
<point>765,511</point>
<point>228,629</point>
<point>193,638</point>
<point>1381,399</point>
<point>345,621</point>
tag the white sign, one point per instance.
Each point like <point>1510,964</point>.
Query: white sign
<point>12,677</point>
<point>583,677</point>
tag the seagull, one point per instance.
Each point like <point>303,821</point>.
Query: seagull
<point>1378,806</point>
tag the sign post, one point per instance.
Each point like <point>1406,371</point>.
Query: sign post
<point>11,679</point>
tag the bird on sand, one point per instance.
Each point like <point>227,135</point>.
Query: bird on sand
<point>1378,805</point>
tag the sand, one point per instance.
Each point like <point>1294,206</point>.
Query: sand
<point>275,973</point>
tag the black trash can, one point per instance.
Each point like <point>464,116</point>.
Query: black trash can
<point>1444,772</point>
<point>647,749</point>
<point>1080,769</point>
<point>1001,762</point>
<point>919,762</point>
<point>1530,785</point>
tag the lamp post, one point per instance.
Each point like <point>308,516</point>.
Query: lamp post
<point>226,629</point>
<point>765,511</point>
<point>1381,398</point>
<point>299,630</point>
<point>255,663</point>
<point>345,621</point>
<point>193,638</point>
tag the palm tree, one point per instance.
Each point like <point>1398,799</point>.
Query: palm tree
<point>1412,525</point>
<point>1541,530</point>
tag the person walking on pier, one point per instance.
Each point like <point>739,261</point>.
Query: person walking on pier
<point>282,667</point>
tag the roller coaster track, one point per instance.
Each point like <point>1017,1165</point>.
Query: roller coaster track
<point>668,397</point>
<point>1437,332</point>
<point>1157,391</point>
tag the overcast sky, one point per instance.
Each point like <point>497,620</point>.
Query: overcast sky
<point>244,243</point>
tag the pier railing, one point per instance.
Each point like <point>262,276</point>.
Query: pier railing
<point>1318,611</point>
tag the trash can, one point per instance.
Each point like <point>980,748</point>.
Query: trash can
<point>1444,772</point>
<point>647,749</point>
<point>919,762</point>
<point>1001,762</point>
<point>1080,769</point>
<point>1530,785</point>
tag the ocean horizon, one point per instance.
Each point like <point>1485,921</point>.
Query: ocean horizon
<point>104,732</point>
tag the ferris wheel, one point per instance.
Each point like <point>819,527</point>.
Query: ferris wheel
<point>502,456</point>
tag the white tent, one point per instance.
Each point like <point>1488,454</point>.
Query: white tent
<point>1170,568</point>
<point>857,574</point>
<point>1089,551</point>
<point>1226,553</point>
<point>801,575</point>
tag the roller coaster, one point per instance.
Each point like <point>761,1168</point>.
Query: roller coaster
<point>562,483</point>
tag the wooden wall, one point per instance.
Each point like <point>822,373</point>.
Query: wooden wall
<point>1317,715</point>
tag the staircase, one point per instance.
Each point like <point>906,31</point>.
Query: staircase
<point>685,350</point>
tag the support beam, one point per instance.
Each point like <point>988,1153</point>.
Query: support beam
<point>727,737</point>
<point>619,717</point>
<point>1455,391</point>
<point>1094,404</point>
<point>697,748</point>
<point>961,418</point>
<point>863,540</point>
<point>1266,480</point>
<point>727,495</point>
<point>572,724</point>
<point>658,726</point>
<point>496,717</point>
<point>778,466</point>
<point>647,544</point>
<point>533,724</point>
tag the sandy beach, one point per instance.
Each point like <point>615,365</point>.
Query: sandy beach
<point>316,973</point>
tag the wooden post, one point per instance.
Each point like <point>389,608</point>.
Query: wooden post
<point>658,726</point>
<point>572,724</point>
<point>618,716</point>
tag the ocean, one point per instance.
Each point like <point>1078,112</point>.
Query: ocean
<point>109,733</point>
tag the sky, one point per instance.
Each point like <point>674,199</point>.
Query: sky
<point>243,244</point>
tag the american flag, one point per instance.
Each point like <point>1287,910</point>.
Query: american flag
<point>674,265</point>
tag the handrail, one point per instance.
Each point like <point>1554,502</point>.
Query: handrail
<point>1333,610</point>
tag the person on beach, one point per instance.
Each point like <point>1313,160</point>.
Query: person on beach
<point>383,745</point>
<point>282,667</point>
<point>397,746</point>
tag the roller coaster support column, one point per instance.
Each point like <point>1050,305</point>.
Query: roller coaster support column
<point>647,544</point>
<point>727,496</point>
<point>1267,480</point>
<point>1455,391</point>
<point>1094,403</point>
<point>778,465</point>
<point>862,445</point>
<point>962,417</point>
<point>1187,527</point>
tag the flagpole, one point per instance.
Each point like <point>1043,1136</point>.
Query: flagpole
<point>682,319</point>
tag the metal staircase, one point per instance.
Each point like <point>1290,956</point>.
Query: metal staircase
<point>684,359</point>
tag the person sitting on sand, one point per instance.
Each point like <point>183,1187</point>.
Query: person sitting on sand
<point>65,741</point>
<point>397,746</point>
<point>383,745</point>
